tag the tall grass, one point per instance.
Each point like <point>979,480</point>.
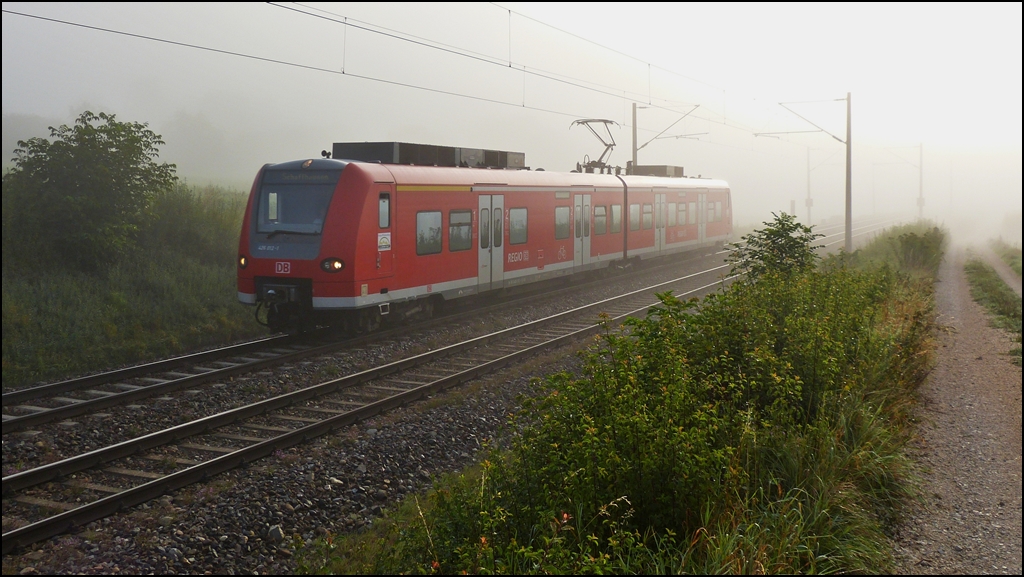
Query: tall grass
<point>1011,255</point>
<point>174,292</point>
<point>989,290</point>
<point>915,248</point>
<point>761,432</point>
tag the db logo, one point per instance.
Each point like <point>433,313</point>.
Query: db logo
<point>282,267</point>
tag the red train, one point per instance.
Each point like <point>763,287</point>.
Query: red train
<point>339,241</point>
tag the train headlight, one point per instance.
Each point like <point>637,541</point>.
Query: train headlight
<point>243,261</point>
<point>332,264</point>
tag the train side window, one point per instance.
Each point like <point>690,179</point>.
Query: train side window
<point>516,225</point>
<point>693,212</point>
<point>460,230</point>
<point>648,216</point>
<point>384,210</point>
<point>718,211</point>
<point>586,221</point>
<point>499,228</point>
<point>671,214</point>
<point>634,217</point>
<point>272,207</point>
<point>485,228</point>
<point>659,216</point>
<point>600,220</point>
<point>682,213</point>
<point>579,223</point>
<point>428,232</point>
<point>616,218</point>
<point>711,213</point>
<point>561,222</point>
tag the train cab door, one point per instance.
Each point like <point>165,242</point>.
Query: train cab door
<point>659,222</point>
<point>702,215</point>
<point>491,245</point>
<point>581,230</point>
<point>385,224</point>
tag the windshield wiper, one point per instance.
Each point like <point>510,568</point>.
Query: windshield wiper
<point>282,231</point>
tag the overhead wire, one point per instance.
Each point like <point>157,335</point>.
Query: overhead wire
<point>415,40</point>
<point>286,63</point>
<point>466,53</point>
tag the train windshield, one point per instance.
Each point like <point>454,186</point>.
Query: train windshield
<point>295,201</point>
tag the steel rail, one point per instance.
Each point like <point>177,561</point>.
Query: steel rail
<point>16,423</point>
<point>42,474</point>
<point>27,394</point>
<point>109,505</point>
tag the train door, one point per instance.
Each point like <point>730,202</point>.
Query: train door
<point>581,233</point>
<point>491,228</point>
<point>385,212</point>
<point>659,222</point>
<point>702,215</point>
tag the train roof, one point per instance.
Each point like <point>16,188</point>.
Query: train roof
<point>461,176</point>
<point>436,175</point>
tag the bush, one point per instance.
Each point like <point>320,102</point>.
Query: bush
<point>81,199</point>
<point>783,246</point>
<point>755,434</point>
<point>762,432</point>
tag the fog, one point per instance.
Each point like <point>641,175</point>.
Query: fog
<point>231,87</point>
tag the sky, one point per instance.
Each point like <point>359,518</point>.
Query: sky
<point>231,87</point>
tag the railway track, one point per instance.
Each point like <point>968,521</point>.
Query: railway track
<point>113,478</point>
<point>35,406</point>
<point>134,471</point>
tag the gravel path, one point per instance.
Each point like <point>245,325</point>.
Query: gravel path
<point>969,446</point>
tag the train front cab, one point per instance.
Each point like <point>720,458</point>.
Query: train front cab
<point>302,255</point>
<point>282,236</point>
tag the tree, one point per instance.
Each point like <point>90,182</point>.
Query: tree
<point>783,246</point>
<point>80,199</point>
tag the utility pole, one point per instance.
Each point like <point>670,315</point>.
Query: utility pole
<point>849,181</point>
<point>920,182</point>
<point>632,167</point>
<point>808,202</point>
<point>849,167</point>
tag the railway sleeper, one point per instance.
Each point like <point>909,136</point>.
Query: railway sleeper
<point>207,448</point>
<point>92,486</point>
<point>133,473</point>
<point>46,503</point>
<point>176,460</point>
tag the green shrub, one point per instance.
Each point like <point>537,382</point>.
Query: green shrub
<point>753,434</point>
<point>915,249</point>
<point>763,431</point>
<point>783,246</point>
<point>81,199</point>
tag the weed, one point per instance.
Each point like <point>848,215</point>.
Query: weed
<point>286,458</point>
<point>1011,255</point>
<point>989,290</point>
<point>762,431</point>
